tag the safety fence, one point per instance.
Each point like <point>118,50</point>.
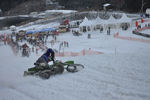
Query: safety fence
<point>138,32</point>
<point>81,53</point>
<point>142,29</point>
<point>15,48</point>
<point>73,54</point>
<point>131,38</point>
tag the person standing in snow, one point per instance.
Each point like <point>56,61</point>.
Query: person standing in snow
<point>25,50</point>
<point>37,49</point>
<point>101,29</point>
<point>43,61</point>
<point>32,49</point>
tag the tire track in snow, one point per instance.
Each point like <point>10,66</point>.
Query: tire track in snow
<point>116,79</point>
<point>27,94</point>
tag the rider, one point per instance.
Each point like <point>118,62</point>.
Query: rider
<point>25,49</point>
<point>43,61</point>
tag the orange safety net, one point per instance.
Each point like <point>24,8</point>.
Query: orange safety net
<point>130,38</point>
<point>81,53</point>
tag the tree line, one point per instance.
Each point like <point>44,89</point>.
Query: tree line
<point>126,5</point>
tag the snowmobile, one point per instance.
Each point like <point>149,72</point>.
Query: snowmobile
<point>57,68</point>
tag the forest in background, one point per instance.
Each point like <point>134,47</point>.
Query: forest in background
<point>11,7</point>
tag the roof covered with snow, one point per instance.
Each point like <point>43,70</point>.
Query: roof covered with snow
<point>124,18</point>
<point>111,20</point>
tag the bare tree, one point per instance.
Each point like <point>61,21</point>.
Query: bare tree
<point>142,6</point>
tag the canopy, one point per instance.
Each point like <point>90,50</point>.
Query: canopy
<point>42,30</point>
<point>112,20</point>
<point>85,22</point>
<point>99,21</point>
<point>31,32</point>
<point>94,22</point>
<point>47,29</point>
<point>124,19</point>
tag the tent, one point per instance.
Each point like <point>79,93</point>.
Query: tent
<point>88,25</point>
<point>85,25</point>
<point>47,29</point>
<point>85,22</point>
<point>124,21</point>
<point>112,20</point>
<point>105,24</point>
<point>99,23</point>
<point>31,32</point>
<point>42,30</point>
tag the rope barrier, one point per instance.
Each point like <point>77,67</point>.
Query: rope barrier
<point>131,38</point>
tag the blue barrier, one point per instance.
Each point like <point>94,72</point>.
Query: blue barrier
<point>42,30</point>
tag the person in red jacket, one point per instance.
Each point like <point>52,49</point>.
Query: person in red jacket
<point>136,23</point>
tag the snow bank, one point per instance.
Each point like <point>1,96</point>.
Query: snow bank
<point>60,11</point>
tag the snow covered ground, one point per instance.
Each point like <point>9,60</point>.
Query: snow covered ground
<point>146,31</point>
<point>121,73</point>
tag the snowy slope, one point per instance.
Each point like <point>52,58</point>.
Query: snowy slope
<point>115,75</point>
<point>121,73</point>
